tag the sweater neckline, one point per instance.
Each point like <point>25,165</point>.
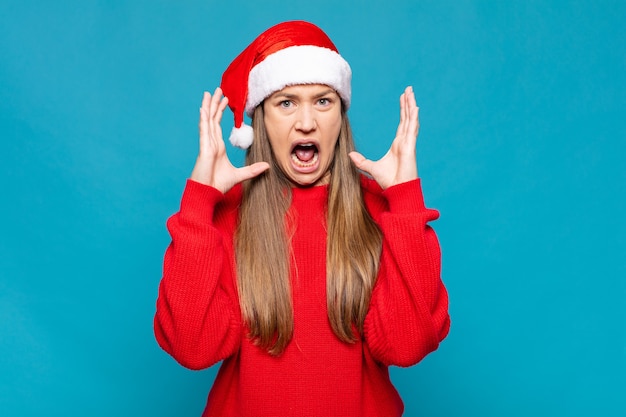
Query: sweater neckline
<point>310,193</point>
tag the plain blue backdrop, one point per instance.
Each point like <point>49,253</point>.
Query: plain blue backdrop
<point>523,108</point>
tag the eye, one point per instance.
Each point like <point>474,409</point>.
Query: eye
<point>285,104</point>
<point>324,101</point>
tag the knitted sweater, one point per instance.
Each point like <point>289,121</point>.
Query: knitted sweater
<point>198,318</point>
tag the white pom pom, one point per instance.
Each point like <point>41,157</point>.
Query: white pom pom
<point>242,137</point>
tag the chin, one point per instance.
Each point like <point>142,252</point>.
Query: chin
<point>299,181</point>
<point>303,184</point>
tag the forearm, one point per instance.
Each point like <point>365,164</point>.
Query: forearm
<point>408,314</point>
<point>197,320</point>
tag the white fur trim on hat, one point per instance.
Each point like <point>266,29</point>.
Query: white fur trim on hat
<point>242,137</point>
<point>303,64</point>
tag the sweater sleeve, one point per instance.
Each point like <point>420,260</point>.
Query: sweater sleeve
<point>408,314</point>
<point>197,318</point>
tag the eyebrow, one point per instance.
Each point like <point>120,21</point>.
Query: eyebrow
<point>292,96</point>
<point>324,93</point>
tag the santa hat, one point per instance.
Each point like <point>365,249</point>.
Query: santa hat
<point>289,53</point>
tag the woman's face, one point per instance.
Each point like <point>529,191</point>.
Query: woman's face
<point>303,124</point>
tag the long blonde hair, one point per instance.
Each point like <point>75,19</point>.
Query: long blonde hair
<point>354,243</point>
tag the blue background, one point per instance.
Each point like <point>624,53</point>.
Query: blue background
<point>523,135</point>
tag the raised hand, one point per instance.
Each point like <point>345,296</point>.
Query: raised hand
<point>212,165</point>
<point>399,163</point>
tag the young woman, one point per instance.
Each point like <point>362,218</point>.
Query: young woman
<point>305,277</point>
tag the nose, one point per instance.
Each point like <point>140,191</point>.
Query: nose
<point>306,119</point>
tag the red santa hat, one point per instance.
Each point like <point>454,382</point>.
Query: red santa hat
<point>289,53</point>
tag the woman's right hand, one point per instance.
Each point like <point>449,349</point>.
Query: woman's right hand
<point>213,166</point>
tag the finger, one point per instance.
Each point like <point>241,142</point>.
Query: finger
<point>217,111</point>
<point>402,109</point>
<point>214,110</point>
<point>413,110</point>
<point>250,171</point>
<point>258,167</point>
<point>417,121</point>
<point>409,99</point>
<point>206,99</point>
<point>402,124</point>
<point>204,104</point>
<point>361,162</point>
<point>220,110</point>
<point>215,103</point>
<point>203,124</point>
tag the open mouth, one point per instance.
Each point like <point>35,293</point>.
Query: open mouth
<point>305,154</point>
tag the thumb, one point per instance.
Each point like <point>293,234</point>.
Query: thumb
<point>361,162</point>
<point>251,171</point>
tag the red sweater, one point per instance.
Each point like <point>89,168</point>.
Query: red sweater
<point>198,319</point>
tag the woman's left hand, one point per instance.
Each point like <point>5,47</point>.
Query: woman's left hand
<point>399,163</point>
